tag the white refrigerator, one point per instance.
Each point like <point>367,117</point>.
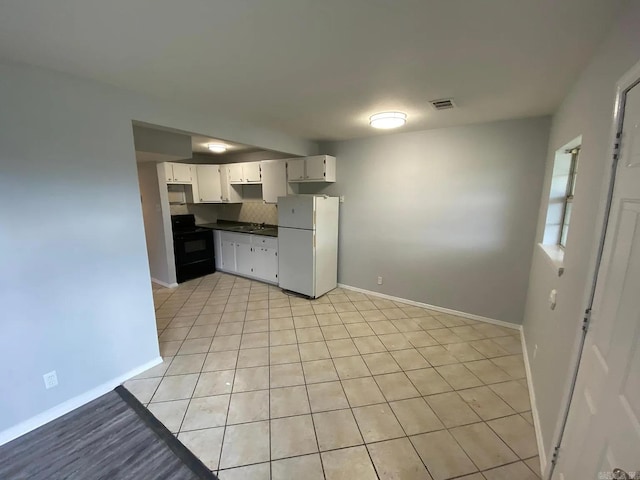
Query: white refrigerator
<point>308,244</point>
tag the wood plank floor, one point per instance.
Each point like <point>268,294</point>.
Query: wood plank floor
<point>104,439</point>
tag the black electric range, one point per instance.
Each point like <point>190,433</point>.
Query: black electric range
<point>193,248</point>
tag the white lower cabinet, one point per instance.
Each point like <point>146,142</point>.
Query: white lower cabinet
<point>244,258</point>
<point>266,263</point>
<point>228,256</point>
<point>254,256</point>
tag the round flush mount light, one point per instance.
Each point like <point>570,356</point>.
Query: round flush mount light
<point>217,147</point>
<point>386,120</point>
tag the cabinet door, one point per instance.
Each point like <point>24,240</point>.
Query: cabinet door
<point>270,262</point>
<point>315,168</point>
<point>168,172</point>
<point>265,263</point>
<point>274,180</point>
<point>244,258</point>
<point>251,172</point>
<point>228,256</point>
<point>182,172</point>
<point>259,262</point>
<point>209,187</point>
<point>235,173</point>
<point>230,194</point>
<point>295,169</point>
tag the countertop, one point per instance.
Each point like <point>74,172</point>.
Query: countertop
<point>243,227</point>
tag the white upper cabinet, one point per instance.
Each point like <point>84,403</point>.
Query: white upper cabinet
<point>235,172</point>
<point>178,172</point>
<point>209,184</point>
<point>274,180</point>
<point>319,168</point>
<point>244,173</point>
<point>295,170</point>
<point>252,172</point>
<point>229,193</point>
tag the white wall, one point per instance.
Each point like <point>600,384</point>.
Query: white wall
<point>157,223</point>
<point>587,111</point>
<point>74,289</point>
<point>446,216</point>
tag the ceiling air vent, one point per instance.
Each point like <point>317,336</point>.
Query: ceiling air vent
<point>443,104</point>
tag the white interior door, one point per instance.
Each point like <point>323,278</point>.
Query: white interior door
<point>603,428</point>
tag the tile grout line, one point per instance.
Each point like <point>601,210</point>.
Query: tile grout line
<point>403,370</point>
<point>199,373</point>
<point>306,389</point>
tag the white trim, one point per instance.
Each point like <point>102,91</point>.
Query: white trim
<point>73,403</point>
<point>471,316</point>
<point>555,255</point>
<point>534,409</point>
<point>164,284</point>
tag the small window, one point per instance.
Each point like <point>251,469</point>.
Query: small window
<point>568,200</point>
<point>561,192</point>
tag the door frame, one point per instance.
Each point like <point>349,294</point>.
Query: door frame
<point>629,80</point>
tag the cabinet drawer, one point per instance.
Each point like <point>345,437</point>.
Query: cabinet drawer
<point>266,242</point>
<point>234,237</point>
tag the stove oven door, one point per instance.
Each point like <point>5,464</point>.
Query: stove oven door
<point>194,254</point>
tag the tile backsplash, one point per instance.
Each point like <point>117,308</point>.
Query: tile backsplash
<point>252,212</point>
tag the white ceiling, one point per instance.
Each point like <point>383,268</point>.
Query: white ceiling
<point>319,68</point>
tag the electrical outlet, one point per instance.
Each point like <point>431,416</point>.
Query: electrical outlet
<point>50,379</point>
<point>379,280</point>
<point>535,350</point>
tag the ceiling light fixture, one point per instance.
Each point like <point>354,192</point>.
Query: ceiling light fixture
<point>386,120</point>
<point>217,147</point>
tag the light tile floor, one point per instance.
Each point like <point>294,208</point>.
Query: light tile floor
<point>262,385</point>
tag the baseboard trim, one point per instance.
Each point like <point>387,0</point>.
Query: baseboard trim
<point>164,284</point>
<point>534,410</point>
<point>450,311</point>
<point>71,404</point>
